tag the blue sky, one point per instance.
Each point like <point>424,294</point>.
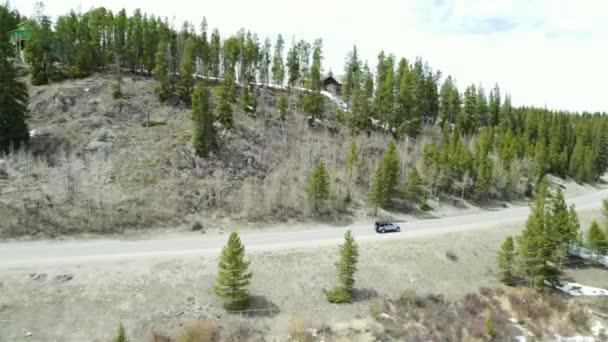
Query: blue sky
<point>543,52</point>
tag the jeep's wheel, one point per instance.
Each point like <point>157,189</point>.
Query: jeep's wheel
<point>382,230</point>
<point>398,229</point>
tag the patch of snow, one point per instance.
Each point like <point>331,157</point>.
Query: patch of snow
<point>387,317</point>
<point>596,328</point>
<point>576,338</point>
<point>32,132</point>
<point>576,289</point>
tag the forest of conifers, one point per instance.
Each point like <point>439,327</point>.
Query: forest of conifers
<point>483,145</point>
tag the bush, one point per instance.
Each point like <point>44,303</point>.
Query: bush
<point>425,207</point>
<point>490,326</point>
<point>338,295</point>
<point>302,329</point>
<point>237,331</point>
<point>407,300</point>
<point>580,319</point>
<point>378,306</point>
<point>116,92</point>
<point>153,123</point>
<point>197,226</point>
<point>121,335</point>
<point>473,304</point>
<point>199,331</point>
<point>451,255</point>
<point>556,302</point>
<point>526,306</point>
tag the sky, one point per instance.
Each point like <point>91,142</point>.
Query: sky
<point>549,53</point>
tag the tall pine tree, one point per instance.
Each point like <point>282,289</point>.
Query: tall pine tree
<point>204,138</point>
<point>13,103</point>
<point>317,186</point>
<point>233,276</point>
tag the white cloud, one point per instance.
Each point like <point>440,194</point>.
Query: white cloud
<point>544,52</point>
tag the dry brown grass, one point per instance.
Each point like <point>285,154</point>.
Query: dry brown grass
<point>378,306</point>
<point>305,329</point>
<point>199,331</point>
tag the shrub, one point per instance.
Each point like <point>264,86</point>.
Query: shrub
<point>556,302</point>
<point>153,123</point>
<point>485,291</point>
<point>407,300</point>
<point>451,255</point>
<point>580,319</point>
<point>237,331</point>
<point>378,306</point>
<point>338,295</point>
<point>490,326</point>
<point>116,92</point>
<point>197,226</point>
<point>120,334</point>
<point>425,207</point>
<point>302,329</point>
<point>199,331</point>
<point>473,304</point>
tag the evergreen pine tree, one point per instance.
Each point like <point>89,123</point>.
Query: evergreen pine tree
<point>38,51</point>
<point>483,117</point>
<point>215,50</point>
<point>391,164</point>
<point>378,194</point>
<point>534,248</point>
<point>161,71</point>
<point>204,139</point>
<point>467,119</point>
<point>293,65</point>
<point>278,68</point>
<point>226,97</point>
<point>506,259</point>
<point>483,180</point>
<point>233,276</point>
<point>265,63</point>
<point>121,335</point>
<point>596,239</point>
<point>385,179</point>
<point>605,209</point>
<point>186,69</point>
<point>346,267</point>
<point>494,106</point>
<point>313,101</point>
<point>282,106</point>
<point>412,191</point>
<point>13,103</point>
<point>352,157</point>
<point>317,186</point>
<point>490,326</point>
<point>449,103</point>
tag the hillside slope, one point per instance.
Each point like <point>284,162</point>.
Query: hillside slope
<point>94,166</point>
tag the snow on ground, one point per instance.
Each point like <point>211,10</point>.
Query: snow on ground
<point>576,289</point>
<point>587,254</point>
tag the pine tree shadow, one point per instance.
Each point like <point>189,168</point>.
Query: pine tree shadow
<point>259,306</point>
<point>362,295</point>
<point>577,263</point>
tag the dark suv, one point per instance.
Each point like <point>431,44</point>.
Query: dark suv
<point>386,226</point>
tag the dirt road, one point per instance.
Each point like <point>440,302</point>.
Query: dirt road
<point>24,253</point>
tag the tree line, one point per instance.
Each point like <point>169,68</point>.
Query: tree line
<point>536,256</point>
<point>487,148</point>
